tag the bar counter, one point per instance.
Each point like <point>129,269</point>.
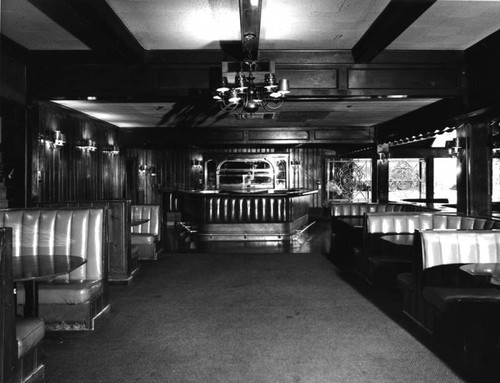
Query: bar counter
<point>247,215</point>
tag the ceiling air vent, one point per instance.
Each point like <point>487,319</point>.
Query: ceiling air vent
<point>255,116</point>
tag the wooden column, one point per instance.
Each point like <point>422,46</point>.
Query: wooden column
<point>474,169</point>
<point>429,177</point>
<point>381,167</point>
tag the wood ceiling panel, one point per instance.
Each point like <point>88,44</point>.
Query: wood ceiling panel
<point>332,113</point>
<point>180,24</point>
<point>316,24</point>
<point>451,25</point>
<point>29,27</point>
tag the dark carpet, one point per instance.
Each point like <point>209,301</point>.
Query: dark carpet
<point>192,317</point>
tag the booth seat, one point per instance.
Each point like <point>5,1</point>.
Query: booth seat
<point>358,209</point>
<point>146,238</point>
<point>73,301</point>
<point>122,262</point>
<point>20,360</point>
<point>378,265</point>
<point>345,237</point>
<point>447,301</point>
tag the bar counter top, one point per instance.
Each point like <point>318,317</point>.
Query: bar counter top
<point>251,192</point>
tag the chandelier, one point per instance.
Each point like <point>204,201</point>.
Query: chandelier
<point>245,96</point>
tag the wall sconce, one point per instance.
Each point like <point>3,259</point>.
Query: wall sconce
<point>54,139</point>
<point>86,146</point>
<point>295,164</point>
<point>151,170</point>
<point>111,150</point>
<point>455,147</point>
<point>383,153</point>
<point>496,150</point>
<point>59,139</point>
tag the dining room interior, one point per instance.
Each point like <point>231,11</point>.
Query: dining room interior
<point>249,191</point>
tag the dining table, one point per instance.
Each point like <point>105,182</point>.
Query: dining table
<point>138,221</point>
<point>353,222</point>
<point>32,269</point>
<point>399,239</point>
<point>483,273</point>
<point>398,246</point>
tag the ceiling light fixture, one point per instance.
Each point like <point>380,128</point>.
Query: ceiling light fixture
<point>245,96</point>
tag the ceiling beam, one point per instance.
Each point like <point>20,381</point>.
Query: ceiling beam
<point>176,79</point>
<point>422,121</point>
<point>13,49</point>
<point>394,19</point>
<point>483,77</point>
<point>250,13</point>
<point>95,24</point>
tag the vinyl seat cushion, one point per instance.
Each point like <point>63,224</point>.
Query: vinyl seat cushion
<point>29,332</point>
<point>65,292</point>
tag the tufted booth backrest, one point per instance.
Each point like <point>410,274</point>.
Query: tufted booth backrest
<point>450,247</point>
<point>351,209</point>
<point>409,223</point>
<point>79,232</point>
<point>150,212</point>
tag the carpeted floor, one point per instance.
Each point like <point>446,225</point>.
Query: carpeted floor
<point>225,317</point>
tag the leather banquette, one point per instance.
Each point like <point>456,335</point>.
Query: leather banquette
<point>447,301</point>
<point>146,238</point>
<point>122,264</point>
<point>345,237</point>
<point>358,209</point>
<point>74,301</point>
<point>378,265</point>
<point>20,359</point>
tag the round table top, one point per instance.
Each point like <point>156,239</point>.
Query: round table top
<point>356,222</point>
<point>43,267</point>
<point>138,221</point>
<point>399,239</point>
<point>484,270</point>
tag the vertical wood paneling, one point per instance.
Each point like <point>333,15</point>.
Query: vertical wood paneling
<point>68,173</point>
<point>173,169</point>
<point>308,172</point>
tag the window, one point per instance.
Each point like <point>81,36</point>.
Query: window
<point>406,178</point>
<point>445,179</point>
<point>495,174</point>
<point>349,179</point>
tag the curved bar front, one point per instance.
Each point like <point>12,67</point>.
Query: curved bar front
<point>261,216</point>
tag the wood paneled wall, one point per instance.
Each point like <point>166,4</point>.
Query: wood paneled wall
<point>307,172</point>
<point>173,169</point>
<point>69,173</point>
<point>12,132</point>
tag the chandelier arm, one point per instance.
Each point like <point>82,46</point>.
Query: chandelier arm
<point>229,107</point>
<point>267,103</point>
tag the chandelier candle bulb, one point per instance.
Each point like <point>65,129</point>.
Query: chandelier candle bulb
<point>234,97</point>
<point>224,87</point>
<point>270,81</point>
<point>241,82</point>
